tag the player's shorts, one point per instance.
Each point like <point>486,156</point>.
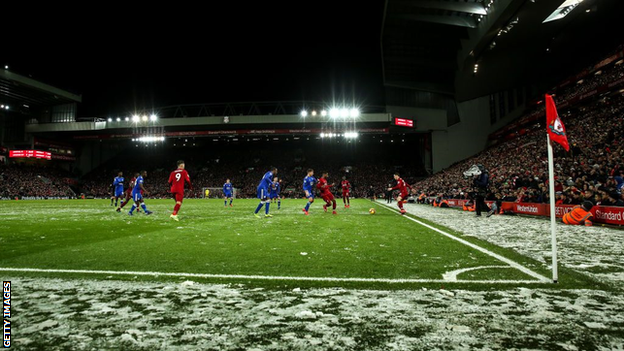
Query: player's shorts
<point>119,193</point>
<point>128,194</point>
<point>178,196</point>
<point>404,195</point>
<point>263,194</point>
<point>327,197</point>
<point>311,192</point>
<point>345,193</point>
<point>227,194</point>
<point>137,196</point>
<point>273,196</point>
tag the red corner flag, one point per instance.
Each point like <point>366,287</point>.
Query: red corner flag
<point>554,126</point>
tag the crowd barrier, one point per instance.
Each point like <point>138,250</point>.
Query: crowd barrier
<point>602,214</point>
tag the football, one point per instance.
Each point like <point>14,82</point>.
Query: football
<point>371,211</point>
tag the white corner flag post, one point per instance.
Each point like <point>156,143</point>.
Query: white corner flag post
<point>553,223</point>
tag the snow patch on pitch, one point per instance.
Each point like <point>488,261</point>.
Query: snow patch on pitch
<point>596,251</point>
<point>93,314</point>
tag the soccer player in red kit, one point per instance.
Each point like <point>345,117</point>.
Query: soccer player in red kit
<point>402,186</point>
<point>129,194</point>
<point>346,187</point>
<point>326,194</point>
<point>177,179</point>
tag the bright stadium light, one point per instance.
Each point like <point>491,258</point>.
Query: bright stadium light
<point>153,118</point>
<point>118,119</point>
<point>313,113</point>
<point>334,113</point>
<point>304,113</point>
<point>135,118</point>
<point>6,107</point>
<point>6,67</point>
<point>354,113</point>
<point>323,113</point>
<point>144,118</point>
<point>2,106</point>
<point>151,139</point>
<point>127,119</point>
<point>110,119</point>
<point>344,113</point>
<point>351,135</point>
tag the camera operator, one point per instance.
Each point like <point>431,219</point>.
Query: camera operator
<point>480,183</point>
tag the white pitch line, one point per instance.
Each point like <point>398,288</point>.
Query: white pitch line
<point>263,277</point>
<point>452,275</point>
<point>514,264</point>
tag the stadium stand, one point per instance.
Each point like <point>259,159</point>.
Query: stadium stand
<point>592,170</point>
<point>34,182</point>
<point>245,168</point>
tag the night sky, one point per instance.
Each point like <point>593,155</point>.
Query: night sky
<point>125,58</point>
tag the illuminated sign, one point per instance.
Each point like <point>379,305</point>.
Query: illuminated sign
<point>30,154</point>
<point>402,122</point>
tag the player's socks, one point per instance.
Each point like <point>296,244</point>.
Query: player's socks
<point>231,202</point>
<point>307,207</point>
<point>279,204</point>
<point>325,207</point>
<point>334,205</point>
<point>225,203</point>
<point>176,208</point>
<point>144,208</point>
<point>266,208</point>
<point>259,207</point>
<point>132,209</point>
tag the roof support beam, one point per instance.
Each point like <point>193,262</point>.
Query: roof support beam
<point>467,22</point>
<point>465,7</point>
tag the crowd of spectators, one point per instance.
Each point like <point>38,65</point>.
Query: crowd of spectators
<point>245,165</point>
<point>592,170</point>
<point>591,82</point>
<point>32,181</point>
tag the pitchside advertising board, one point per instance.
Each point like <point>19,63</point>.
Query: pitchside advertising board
<point>30,154</point>
<point>602,214</point>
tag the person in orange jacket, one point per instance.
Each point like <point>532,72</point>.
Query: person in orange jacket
<point>580,215</point>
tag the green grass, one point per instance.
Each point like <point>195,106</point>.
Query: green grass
<point>211,239</point>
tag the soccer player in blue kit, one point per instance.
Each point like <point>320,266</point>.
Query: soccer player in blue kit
<point>228,190</point>
<point>308,189</point>
<point>119,189</point>
<point>263,192</point>
<point>137,194</point>
<point>275,192</point>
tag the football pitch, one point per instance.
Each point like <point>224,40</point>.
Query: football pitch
<point>213,243</point>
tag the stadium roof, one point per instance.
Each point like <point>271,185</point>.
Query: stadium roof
<point>16,89</point>
<point>433,45</point>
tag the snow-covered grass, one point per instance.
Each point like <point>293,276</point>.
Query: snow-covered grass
<point>55,314</point>
<point>103,314</point>
<point>595,251</point>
